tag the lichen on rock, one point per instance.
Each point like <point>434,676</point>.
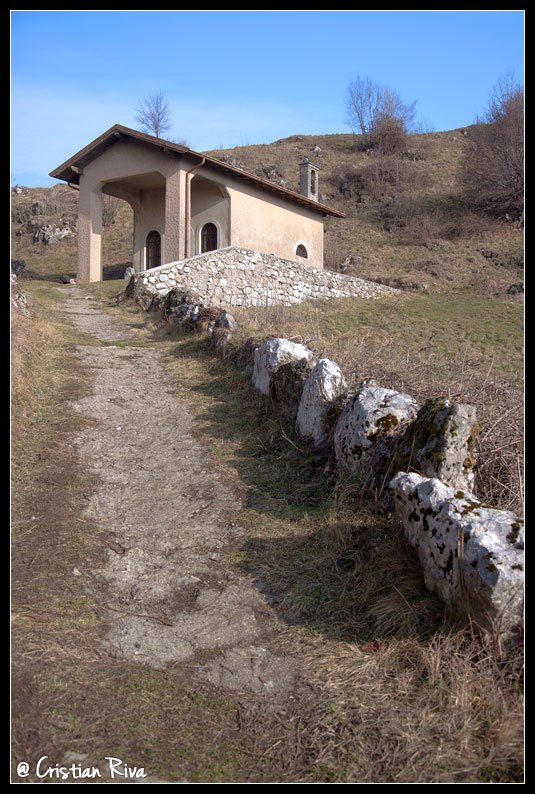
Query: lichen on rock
<point>371,414</point>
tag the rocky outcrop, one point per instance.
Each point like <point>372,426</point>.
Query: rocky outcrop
<point>19,302</point>
<point>50,233</point>
<point>472,555</point>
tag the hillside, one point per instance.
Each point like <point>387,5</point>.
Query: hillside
<point>407,226</point>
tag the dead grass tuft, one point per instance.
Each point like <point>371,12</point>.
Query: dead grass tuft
<point>439,712</point>
<point>31,354</point>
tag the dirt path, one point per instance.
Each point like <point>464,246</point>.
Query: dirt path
<point>169,520</point>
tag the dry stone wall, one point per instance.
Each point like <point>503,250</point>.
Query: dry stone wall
<point>472,555</point>
<point>240,277</point>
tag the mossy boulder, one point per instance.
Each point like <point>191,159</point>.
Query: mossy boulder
<point>440,443</point>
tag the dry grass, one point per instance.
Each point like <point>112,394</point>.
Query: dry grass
<point>402,693</point>
<point>438,712</point>
<point>458,346</point>
<point>415,228</point>
<point>32,367</point>
<point>393,691</point>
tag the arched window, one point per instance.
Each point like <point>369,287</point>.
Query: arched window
<point>313,182</point>
<point>208,237</point>
<point>301,251</point>
<point>154,250</point>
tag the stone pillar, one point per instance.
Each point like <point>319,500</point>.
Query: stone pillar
<point>89,233</point>
<point>175,220</point>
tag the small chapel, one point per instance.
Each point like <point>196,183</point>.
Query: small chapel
<point>186,203</point>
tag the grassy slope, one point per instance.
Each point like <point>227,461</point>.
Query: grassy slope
<point>430,184</point>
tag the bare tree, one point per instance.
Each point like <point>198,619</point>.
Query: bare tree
<point>363,101</point>
<point>379,115</point>
<point>154,115</point>
<point>492,170</point>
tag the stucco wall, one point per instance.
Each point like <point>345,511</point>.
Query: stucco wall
<point>269,222</point>
<point>210,203</point>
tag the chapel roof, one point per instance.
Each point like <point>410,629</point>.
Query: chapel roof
<point>70,170</point>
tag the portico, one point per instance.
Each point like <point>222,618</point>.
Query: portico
<point>185,203</point>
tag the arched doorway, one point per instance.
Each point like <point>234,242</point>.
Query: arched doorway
<point>154,250</point>
<point>208,237</point>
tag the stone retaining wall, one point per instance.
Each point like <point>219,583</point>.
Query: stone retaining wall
<point>239,277</point>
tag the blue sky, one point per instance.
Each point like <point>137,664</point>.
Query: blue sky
<point>235,78</point>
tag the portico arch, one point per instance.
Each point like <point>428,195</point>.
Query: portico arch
<point>146,194</point>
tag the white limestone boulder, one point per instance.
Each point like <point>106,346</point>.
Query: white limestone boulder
<point>372,413</point>
<point>472,555</point>
<point>322,388</point>
<point>271,355</point>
